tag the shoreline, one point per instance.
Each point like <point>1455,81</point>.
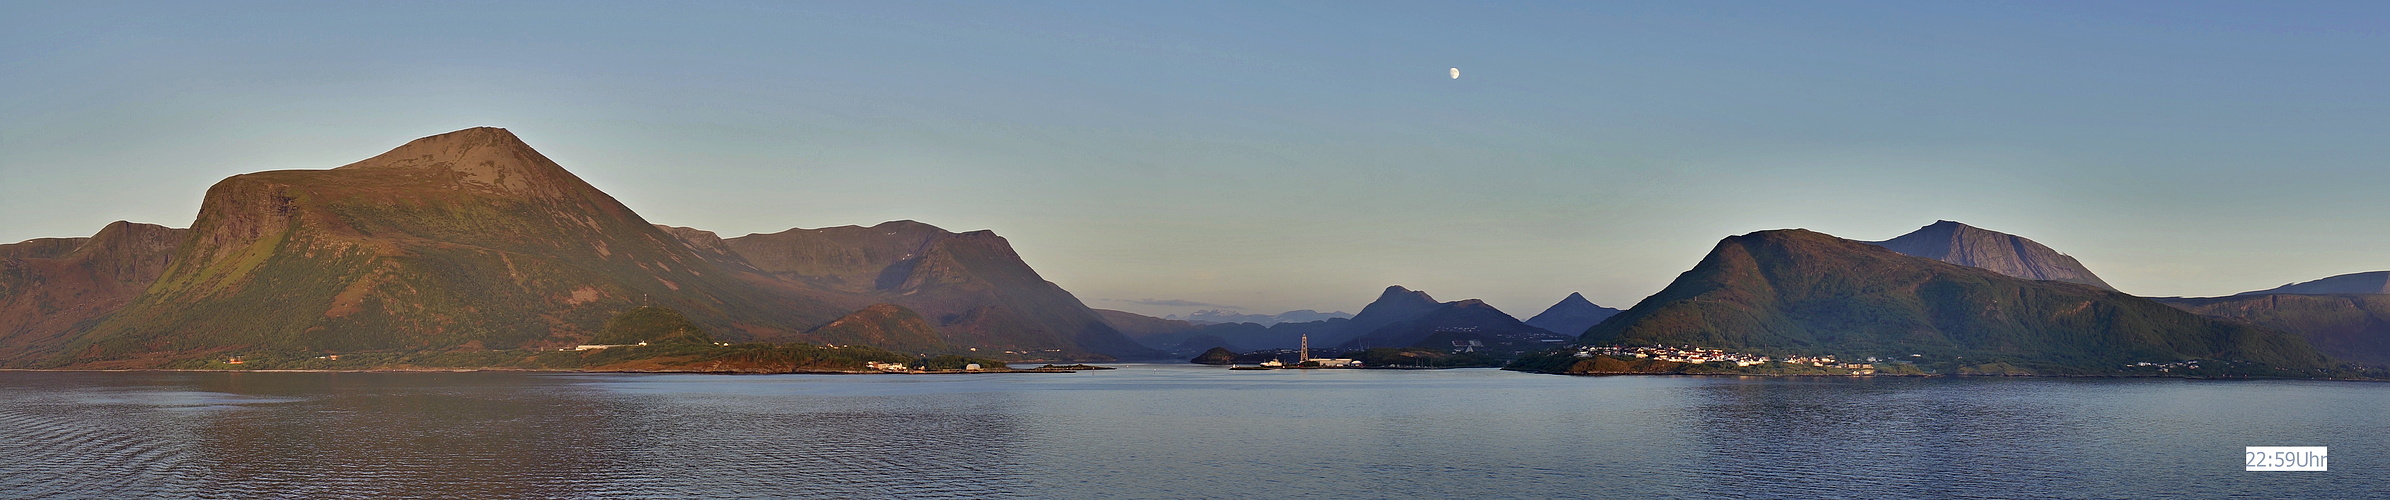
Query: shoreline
<point>1931,375</point>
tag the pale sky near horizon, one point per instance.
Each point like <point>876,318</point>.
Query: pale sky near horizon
<point>1269,156</point>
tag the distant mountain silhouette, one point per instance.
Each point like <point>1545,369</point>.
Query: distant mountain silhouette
<point>1394,305</point>
<point>1571,316</point>
<point>1798,291</point>
<point>1399,317</point>
<point>1295,316</point>
<point>1459,321</point>
<point>2008,254</point>
<point>2366,282</point>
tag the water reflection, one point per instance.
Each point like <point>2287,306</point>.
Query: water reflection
<point>1168,432</point>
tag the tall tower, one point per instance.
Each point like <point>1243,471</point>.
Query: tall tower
<point>1305,354</point>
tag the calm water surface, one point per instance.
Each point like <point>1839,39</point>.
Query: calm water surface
<point>1172,431</point>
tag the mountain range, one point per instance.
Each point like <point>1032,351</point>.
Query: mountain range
<point>1399,317</point>
<point>472,240</point>
<point>1223,316</point>
<point>1798,291</point>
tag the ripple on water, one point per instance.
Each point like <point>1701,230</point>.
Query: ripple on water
<point>1165,432</point>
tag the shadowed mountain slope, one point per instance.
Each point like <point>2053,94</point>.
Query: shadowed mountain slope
<point>972,286</point>
<point>2008,254</point>
<point>52,288</point>
<point>2350,326</point>
<point>1798,291</point>
<point>1462,321</point>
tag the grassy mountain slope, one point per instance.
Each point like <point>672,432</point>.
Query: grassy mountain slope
<point>2353,327</point>
<point>1798,291</point>
<point>886,326</point>
<point>465,240</point>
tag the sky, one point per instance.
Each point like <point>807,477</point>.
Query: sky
<point>1164,157</point>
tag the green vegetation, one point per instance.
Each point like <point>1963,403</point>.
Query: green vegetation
<point>1215,356</point>
<point>1795,291</point>
<point>651,325</point>
<point>1417,357</point>
<point>2353,327</point>
<point>684,357</point>
<point>886,326</point>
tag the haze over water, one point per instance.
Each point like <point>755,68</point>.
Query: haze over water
<point>1169,431</point>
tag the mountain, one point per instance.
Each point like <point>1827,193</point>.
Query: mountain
<point>1295,316</point>
<point>972,286</point>
<point>2369,282</point>
<point>886,326</point>
<point>1571,316</point>
<point>52,288</point>
<point>2008,254</point>
<point>464,240</point>
<point>1215,356</point>
<point>472,241</point>
<point>1458,321</point>
<point>1400,317</point>
<point>1139,326</point>
<point>2348,326</point>
<point>1801,292</point>
<point>1395,304</point>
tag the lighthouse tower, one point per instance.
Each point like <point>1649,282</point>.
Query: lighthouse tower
<point>1305,354</point>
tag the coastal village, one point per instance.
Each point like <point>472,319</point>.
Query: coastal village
<point>1696,355</point>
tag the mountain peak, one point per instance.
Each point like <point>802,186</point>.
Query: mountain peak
<point>485,157</point>
<point>1572,315</point>
<point>1958,243</point>
<point>1397,292</point>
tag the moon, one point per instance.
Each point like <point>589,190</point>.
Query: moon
<point>1456,73</point>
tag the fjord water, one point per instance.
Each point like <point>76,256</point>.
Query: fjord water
<point>1171,431</point>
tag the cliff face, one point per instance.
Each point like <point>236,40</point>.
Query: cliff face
<point>2008,254</point>
<point>52,288</point>
<point>1801,291</point>
<point>463,240</point>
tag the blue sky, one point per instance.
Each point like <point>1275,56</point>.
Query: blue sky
<point>1272,156</point>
